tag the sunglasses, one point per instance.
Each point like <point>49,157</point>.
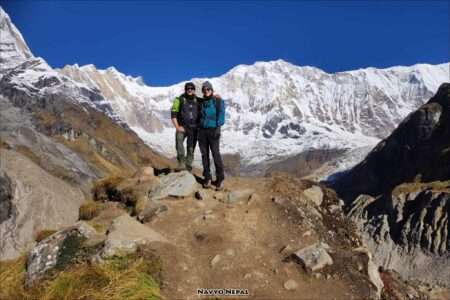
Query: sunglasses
<point>206,89</point>
<point>190,89</point>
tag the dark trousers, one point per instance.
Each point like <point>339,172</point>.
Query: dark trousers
<point>209,139</point>
<point>185,160</point>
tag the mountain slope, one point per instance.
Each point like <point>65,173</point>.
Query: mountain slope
<point>399,195</point>
<point>55,129</point>
<point>277,110</point>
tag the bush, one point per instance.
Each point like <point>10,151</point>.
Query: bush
<point>132,277</point>
<point>43,234</point>
<point>89,210</point>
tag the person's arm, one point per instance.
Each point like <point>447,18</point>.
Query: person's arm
<point>174,114</point>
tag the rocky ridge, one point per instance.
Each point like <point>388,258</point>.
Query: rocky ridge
<point>399,194</point>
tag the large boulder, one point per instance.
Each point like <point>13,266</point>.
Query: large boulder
<point>180,184</point>
<point>315,194</point>
<point>126,234</point>
<point>31,200</point>
<point>57,250</point>
<point>314,257</point>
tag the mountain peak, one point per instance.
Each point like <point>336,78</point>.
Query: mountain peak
<point>13,48</point>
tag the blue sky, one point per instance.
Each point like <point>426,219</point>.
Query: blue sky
<point>167,42</point>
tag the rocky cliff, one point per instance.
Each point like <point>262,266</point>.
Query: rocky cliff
<point>399,194</point>
<point>54,141</point>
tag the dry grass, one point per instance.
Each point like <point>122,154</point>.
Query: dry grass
<point>133,277</point>
<point>411,187</point>
<point>43,234</point>
<point>90,210</point>
<point>106,189</point>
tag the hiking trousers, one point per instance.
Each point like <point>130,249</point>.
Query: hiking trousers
<point>209,140</point>
<point>185,160</point>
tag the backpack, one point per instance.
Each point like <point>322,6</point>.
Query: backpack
<point>189,112</point>
<point>212,113</point>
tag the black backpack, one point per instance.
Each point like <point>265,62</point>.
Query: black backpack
<point>189,111</point>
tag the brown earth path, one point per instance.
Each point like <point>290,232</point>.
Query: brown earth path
<point>247,237</point>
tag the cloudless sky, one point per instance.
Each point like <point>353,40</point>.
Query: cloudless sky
<point>168,42</point>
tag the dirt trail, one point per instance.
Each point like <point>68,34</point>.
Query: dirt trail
<point>219,245</point>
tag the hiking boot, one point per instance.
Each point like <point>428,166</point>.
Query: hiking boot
<point>207,184</point>
<point>219,185</point>
<point>180,167</point>
<point>189,169</point>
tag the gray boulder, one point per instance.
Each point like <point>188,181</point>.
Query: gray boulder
<point>152,209</point>
<point>314,257</point>
<point>126,234</point>
<point>57,250</point>
<point>239,195</point>
<point>180,184</point>
<point>315,194</point>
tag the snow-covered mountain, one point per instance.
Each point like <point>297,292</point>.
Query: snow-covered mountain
<point>276,109</point>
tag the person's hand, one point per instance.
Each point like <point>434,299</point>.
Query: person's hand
<point>180,129</point>
<point>217,96</point>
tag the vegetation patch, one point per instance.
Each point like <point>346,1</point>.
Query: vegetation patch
<point>90,210</point>
<point>106,189</point>
<point>43,234</point>
<point>132,277</point>
<point>412,187</point>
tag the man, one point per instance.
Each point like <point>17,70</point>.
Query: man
<point>212,117</point>
<point>185,115</point>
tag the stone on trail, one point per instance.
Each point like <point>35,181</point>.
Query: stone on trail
<point>57,249</point>
<point>290,285</point>
<point>372,270</point>
<point>180,184</point>
<point>215,260</point>
<point>314,257</point>
<point>126,234</point>
<point>239,195</point>
<point>315,194</point>
<point>152,209</point>
<point>201,195</point>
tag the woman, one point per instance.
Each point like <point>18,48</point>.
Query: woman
<point>212,117</point>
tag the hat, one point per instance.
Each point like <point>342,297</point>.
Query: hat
<point>189,85</point>
<point>207,85</point>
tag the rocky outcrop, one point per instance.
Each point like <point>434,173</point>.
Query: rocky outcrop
<point>178,185</point>
<point>33,200</point>
<point>417,150</point>
<point>126,234</point>
<point>399,195</point>
<point>314,257</point>
<point>57,250</point>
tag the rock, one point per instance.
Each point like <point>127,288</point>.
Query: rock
<point>253,198</point>
<point>57,250</point>
<point>215,260</point>
<point>315,194</point>
<point>145,173</point>
<point>334,208</point>
<point>239,195</point>
<point>180,184</point>
<point>372,270</point>
<point>290,285</point>
<point>286,250</point>
<point>31,199</point>
<point>307,233</point>
<point>126,234</point>
<point>314,257</point>
<point>200,195</point>
<point>219,196</point>
<point>152,210</point>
